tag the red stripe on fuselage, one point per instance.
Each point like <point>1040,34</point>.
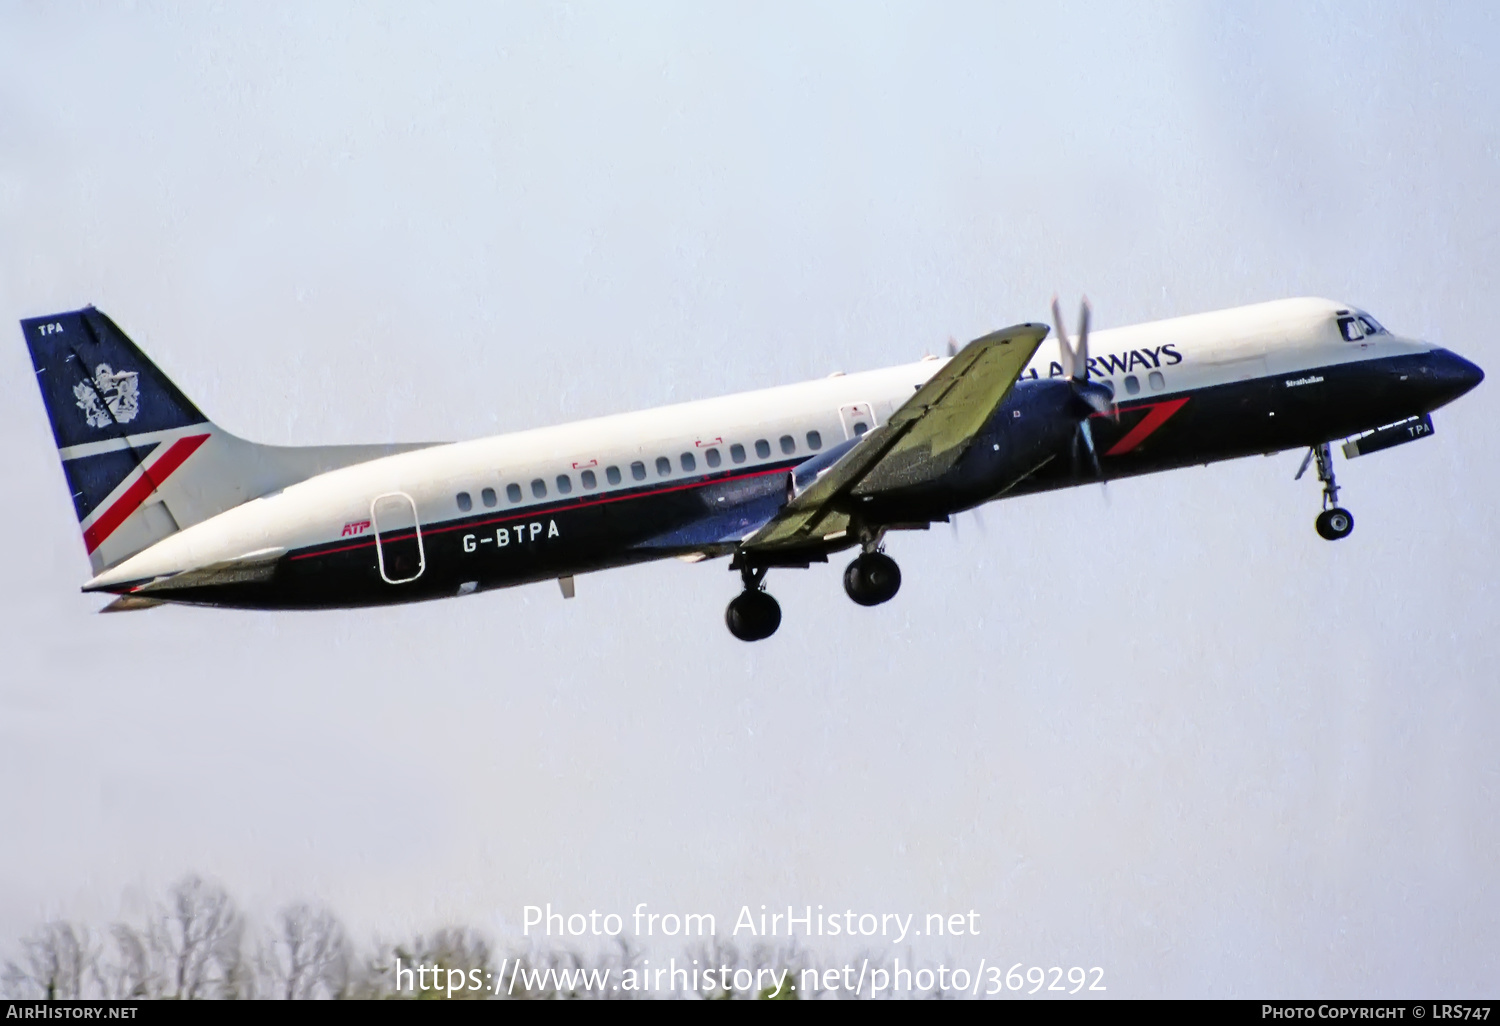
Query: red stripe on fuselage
<point>548,511</point>
<point>1158,416</point>
<point>150,480</point>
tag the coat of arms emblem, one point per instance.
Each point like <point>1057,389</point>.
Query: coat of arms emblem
<point>110,398</point>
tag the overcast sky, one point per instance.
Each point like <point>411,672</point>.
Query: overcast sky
<point>1168,731</point>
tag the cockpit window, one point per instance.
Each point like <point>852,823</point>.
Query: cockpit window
<point>1354,325</point>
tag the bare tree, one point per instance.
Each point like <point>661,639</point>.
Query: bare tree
<point>306,956</point>
<point>783,962</point>
<point>59,962</point>
<point>191,948</point>
<point>457,948</point>
<point>133,973</point>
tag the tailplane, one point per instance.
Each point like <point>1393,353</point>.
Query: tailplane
<point>141,460</point>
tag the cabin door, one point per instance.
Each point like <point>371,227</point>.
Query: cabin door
<point>398,538</point>
<point>857,418</point>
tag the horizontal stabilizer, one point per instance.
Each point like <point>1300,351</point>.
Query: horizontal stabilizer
<point>256,567</point>
<point>130,603</point>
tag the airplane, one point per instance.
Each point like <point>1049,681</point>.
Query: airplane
<point>173,508</point>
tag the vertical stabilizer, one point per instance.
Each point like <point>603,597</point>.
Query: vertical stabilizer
<point>141,460</point>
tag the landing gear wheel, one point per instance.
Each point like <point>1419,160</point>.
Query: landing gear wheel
<point>753,616</point>
<point>1335,523</point>
<point>872,578</point>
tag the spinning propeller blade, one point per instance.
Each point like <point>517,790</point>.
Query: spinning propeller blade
<point>1095,398</point>
<point>1062,339</point>
<point>1081,355</point>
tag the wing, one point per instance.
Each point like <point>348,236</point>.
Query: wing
<point>923,440</point>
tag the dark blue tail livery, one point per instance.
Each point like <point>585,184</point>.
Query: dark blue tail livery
<point>93,477</point>
<point>97,385</point>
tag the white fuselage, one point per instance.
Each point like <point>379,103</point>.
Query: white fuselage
<point>514,472</point>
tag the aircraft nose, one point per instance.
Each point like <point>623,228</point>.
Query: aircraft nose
<point>1454,375</point>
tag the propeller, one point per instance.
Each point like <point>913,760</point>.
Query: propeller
<point>1093,398</point>
<point>973,511</point>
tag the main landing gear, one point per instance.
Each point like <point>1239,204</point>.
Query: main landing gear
<point>753,615</point>
<point>1334,522</point>
<point>872,578</point>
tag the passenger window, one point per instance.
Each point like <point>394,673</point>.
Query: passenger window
<point>564,484</point>
<point>513,492</point>
<point>488,497</point>
<point>464,502</point>
<point>788,444</point>
<point>763,448</point>
<point>1132,384</point>
<point>713,457</point>
<point>539,488</point>
<point>663,467</point>
<point>612,475</point>
<point>689,464</point>
<point>638,470</point>
<point>589,480</point>
<point>860,427</point>
<point>814,440</point>
<point>1156,381</point>
<point>737,452</point>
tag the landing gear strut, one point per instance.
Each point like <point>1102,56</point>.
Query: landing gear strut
<point>752,614</point>
<point>872,578</point>
<point>1334,522</point>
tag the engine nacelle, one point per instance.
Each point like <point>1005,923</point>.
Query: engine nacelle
<point>1036,423</point>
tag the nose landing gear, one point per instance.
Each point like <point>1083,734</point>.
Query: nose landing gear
<point>1334,522</point>
<point>753,615</point>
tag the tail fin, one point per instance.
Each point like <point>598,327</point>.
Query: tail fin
<point>141,460</point>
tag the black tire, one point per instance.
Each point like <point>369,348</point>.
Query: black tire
<point>753,616</point>
<point>873,578</point>
<point>1335,523</point>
